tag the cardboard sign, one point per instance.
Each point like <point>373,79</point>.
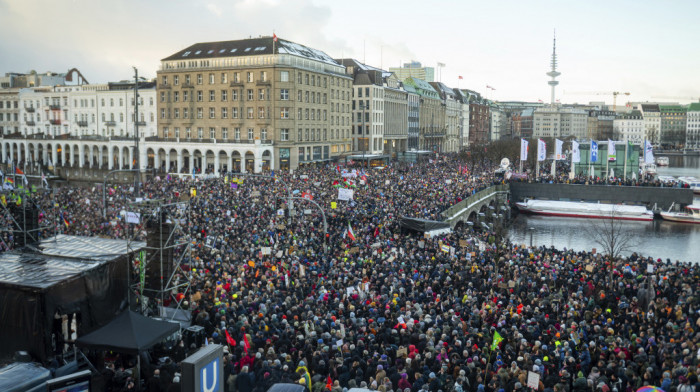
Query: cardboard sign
<point>280,227</point>
<point>650,268</point>
<point>589,268</point>
<point>533,380</point>
<point>266,250</point>
<point>463,243</point>
<point>421,244</point>
<point>345,194</point>
<point>255,194</point>
<point>307,212</point>
<point>334,205</point>
<point>354,249</point>
<point>133,217</point>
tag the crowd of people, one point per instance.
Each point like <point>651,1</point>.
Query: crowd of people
<point>369,305</point>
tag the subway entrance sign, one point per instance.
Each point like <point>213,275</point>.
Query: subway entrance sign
<point>203,371</point>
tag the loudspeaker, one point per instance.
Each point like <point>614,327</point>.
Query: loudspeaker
<point>160,244</point>
<point>193,334</point>
<point>27,218</point>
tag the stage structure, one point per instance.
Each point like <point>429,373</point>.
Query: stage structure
<point>162,266</point>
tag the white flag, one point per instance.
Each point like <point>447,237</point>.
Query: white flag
<point>648,154</point>
<point>611,150</point>
<point>575,152</point>
<point>523,149</point>
<point>558,145</point>
<point>541,150</point>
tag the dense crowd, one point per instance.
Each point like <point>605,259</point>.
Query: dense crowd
<point>370,305</point>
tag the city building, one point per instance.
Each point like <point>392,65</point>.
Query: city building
<point>673,125</point>
<point>251,105</point>
<point>431,126</point>
<point>479,118</point>
<point>498,122</point>
<point>522,123</point>
<point>9,111</point>
<point>629,127</point>
<point>463,119</point>
<point>561,122</point>
<point>414,69</point>
<point>692,134</point>
<point>547,122</point>
<point>413,117</point>
<point>453,112</point>
<point>652,121</point>
<point>380,108</point>
<point>600,124</point>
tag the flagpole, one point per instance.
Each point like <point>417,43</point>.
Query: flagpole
<point>607,164</point>
<point>625,170</point>
<point>537,175</point>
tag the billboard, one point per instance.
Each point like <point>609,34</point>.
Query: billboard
<point>203,371</point>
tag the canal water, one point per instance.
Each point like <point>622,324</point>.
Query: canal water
<point>658,239</point>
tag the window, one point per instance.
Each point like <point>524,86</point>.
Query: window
<point>284,134</point>
<point>165,132</point>
<point>299,78</point>
<point>306,79</point>
<point>250,113</point>
<point>212,133</point>
<point>224,77</point>
<point>187,79</point>
<point>234,95</point>
<point>224,95</point>
<point>313,80</point>
<point>177,132</point>
<point>306,134</point>
<point>162,114</point>
<point>212,95</point>
<point>306,97</point>
<point>234,112</point>
<point>164,80</point>
<point>176,97</point>
<point>250,94</point>
<point>199,96</point>
<point>261,112</point>
<point>299,95</point>
<point>263,76</point>
<point>284,76</point>
<point>236,77</point>
<point>185,96</point>
<point>162,97</point>
<point>176,80</point>
<point>237,133</point>
<point>185,113</point>
<point>284,113</point>
<point>251,134</point>
<point>261,94</point>
<point>224,112</point>
<point>299,114</point>
<point>250,77</point>
<point>200,113</point>
<point>306,114</point>
<point>263,133</point>
<point>284,94</point>
<point>299,138</point>
<point>325,98</point>
<point>211,78</point>
<point>188,131</point>
<point>177,113</point>
<point>200,132</point>
<point>199,78</point>
<point>212,112</point>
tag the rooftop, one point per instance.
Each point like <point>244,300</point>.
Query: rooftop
<point>249,47</point>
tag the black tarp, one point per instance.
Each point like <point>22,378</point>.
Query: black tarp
<point>286,387</point>
<point>422,225</point>
<point>129,333</point>
<point>65,275</point>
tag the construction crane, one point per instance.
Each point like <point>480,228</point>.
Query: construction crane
<point>613,93</point>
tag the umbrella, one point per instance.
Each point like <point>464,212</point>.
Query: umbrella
<point>650,388</point>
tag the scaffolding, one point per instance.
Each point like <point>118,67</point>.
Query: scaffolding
<point>164,256</point>
<point>19,216</point>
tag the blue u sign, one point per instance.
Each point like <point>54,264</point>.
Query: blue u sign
<point>209,377</point>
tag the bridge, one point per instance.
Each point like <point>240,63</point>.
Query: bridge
<point>480,207</point>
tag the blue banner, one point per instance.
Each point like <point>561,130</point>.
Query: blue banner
<point>594,151</point>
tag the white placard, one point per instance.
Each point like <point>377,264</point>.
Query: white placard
<point>303,176</point>
<point>133,217</point>
<point>307,212</point>
<point>533,380</point>
<point>280,212</point>
<point>345,194</point>
<point>448,182</point>
<point>266,250</point>
<point>650,268</point>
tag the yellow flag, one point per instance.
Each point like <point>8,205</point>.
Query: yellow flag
<point>334,205</point>
<point>226,180</point>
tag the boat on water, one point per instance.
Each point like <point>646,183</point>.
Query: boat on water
<point>648,168</point>
<point>690,214</point>
<point>575,209</point>
<point>662,161</point>
<point>692,183</point>
<point>668,180</point>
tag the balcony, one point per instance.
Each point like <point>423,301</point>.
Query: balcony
<point>55,122</point>
<point>262,83</point>
<point>82,123</point>
<point>161,139</point>
<point>236,84</point>
<point>30,109</point>
<point>110,123</point>
<point>242,141</point>
<point>141,123</point>
<point>164,86</point>
<point>55,107</point>
<point>31,123</point>
<point>187,85</point>
<point>122,138</point>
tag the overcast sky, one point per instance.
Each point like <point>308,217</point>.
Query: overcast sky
<point>648,48</point>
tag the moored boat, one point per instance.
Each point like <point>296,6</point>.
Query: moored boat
<point>575,209</point>
<point>691,182</point>
<point>691,214</point>
<point>662,161</point>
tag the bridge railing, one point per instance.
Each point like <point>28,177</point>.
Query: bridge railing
<point>450,212</point>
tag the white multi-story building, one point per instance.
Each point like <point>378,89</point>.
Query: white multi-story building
<point>453,111</point>
<point>574,123</point>
<point>499,122</point>
<point>546,122</point>
<point>566,122</point>
<point>629,127</point>
<point>81,126</point>
<point>692,134</point>
<point>652,121</point>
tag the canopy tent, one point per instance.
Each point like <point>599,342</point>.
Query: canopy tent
<point>129,333</point>
<point>424,225</point>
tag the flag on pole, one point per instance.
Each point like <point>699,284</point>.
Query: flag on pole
<point>648,153</point>
<point>612,155</point>
<point>497,338</point>
<point>329,383</point>
<point>523,149</point>
<point>558,146</point>
<point>18,171</point>
<point>350,232</point>
<point>594,151</point>
<point>628,150</point>
<point>541,150</point>
<point>229,339</point>
<point>274,37</point>
<point>575,152</point>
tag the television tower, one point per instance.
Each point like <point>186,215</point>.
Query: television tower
<point>553,73</point>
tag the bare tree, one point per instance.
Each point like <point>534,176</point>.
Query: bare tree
<point>611,234</point>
